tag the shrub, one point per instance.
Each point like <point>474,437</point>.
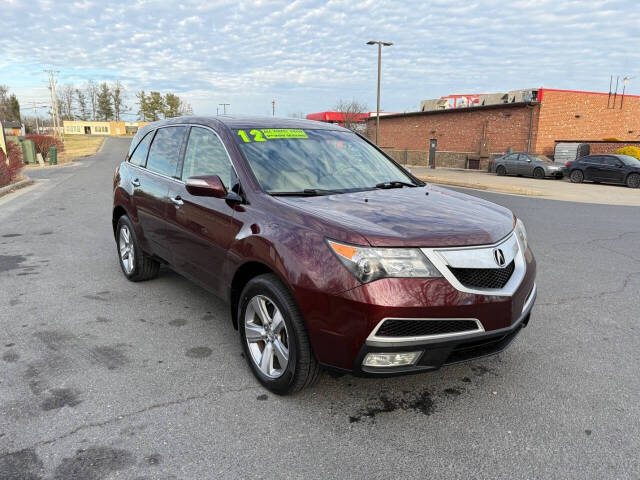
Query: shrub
<point>43,142</point>
<point>631,151</point>
<point>9,172</point>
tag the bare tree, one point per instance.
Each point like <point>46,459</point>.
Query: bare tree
<point>83,112</point>
<point>353,113</point>
<point>117,97</point>
<point>91,90</point>
<point>66,94</point>
<point>185,108</point>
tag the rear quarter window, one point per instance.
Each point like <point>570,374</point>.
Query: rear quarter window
<point>139,156</point>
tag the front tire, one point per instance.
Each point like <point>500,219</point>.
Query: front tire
<point>576,176</point>
<point>633,180</point>
<point>274,338</point>
<point>135,265</point>
<point>538,173</point>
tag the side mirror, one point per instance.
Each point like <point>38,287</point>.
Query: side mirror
<point>528,160</point>
<point>206,186</point>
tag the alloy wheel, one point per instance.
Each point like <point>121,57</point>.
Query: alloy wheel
<point>577,176</point>
<point>266,335</point>
<point>125,245</point>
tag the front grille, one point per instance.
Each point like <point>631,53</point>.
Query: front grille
<point>484,277</point>
<point>419,328</point>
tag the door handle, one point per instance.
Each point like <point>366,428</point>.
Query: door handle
<point>177,200</point>
<point>135,182</point>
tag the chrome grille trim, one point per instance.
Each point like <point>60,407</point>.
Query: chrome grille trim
<point>373,338</point>
<point>480,256</point>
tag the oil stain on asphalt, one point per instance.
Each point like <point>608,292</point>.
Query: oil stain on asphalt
<point>11,262</point>
<point>60,397</point>
<point>198,352</point>
<point>421,402</point>
<point>95,463</point>
<point>22,465</point>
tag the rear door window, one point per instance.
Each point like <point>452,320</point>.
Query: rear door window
<point>139,156</point>
<point>164,153</point>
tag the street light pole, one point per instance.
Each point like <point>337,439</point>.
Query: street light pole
<point>380,45</point>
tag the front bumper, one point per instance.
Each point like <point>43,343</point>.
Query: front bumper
<point>341,326</point>
<point>444,351</point>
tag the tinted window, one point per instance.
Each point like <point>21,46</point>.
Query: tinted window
<point>613,162</point>
<point>206,155</point>
<point>139,156</point>
<point>165,150</point>
<point>511,157</point>
<point>629,160</point>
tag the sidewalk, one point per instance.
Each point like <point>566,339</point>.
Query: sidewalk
<point>547,188</point>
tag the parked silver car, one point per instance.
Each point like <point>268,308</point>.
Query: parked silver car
<point>527,165</point>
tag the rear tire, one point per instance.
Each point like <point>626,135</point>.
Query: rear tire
<point>268,320</point>
<point>135,264</point>
<point>576,176</point>
<point>633,180</point>
<point>538,173</point>
<point>501,171</point>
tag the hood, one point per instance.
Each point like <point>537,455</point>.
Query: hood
<point>411,217</point>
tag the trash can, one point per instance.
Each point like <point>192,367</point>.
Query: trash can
<point>28,151</point>
<point>53,156</point>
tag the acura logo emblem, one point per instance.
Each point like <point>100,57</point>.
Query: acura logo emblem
<point>498,256</point>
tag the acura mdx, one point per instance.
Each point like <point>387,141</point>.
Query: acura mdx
<point>329,253</point>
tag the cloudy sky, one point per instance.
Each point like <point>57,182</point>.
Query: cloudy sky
<point>308,54</point>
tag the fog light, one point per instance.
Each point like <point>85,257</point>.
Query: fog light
<point>390,359</point>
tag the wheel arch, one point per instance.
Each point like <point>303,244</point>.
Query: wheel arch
<point>243,275</point>
<point>118,211</point>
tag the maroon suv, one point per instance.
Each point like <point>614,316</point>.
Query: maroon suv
<point>329,253</point>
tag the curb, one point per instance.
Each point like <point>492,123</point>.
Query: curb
<point>481,186</point>
<point>15,186</point>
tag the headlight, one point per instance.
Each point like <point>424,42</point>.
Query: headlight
<point>368,264</point>
<point>522,234</point>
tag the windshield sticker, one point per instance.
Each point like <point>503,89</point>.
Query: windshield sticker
<point>271,134</point>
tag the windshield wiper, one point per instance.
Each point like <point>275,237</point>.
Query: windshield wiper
<point>307,192</point>
<point>394,184</point>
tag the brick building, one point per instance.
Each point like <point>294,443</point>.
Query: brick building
<point>534,125</point>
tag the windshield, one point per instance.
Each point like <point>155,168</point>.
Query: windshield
<point>629,160</point>
<point>299,160</point>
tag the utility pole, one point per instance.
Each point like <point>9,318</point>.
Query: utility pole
<point>54,102</point>
<point>224,107</point>
<point>273,108</point>
<point>380,45</point>
<point>35,112</point>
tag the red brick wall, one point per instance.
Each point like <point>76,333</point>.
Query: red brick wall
<point>458,131</point>
<point>596,122</point>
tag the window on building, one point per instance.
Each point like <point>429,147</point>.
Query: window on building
<point>165,150</point>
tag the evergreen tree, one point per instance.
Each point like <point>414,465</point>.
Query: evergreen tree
<point>104,110</point>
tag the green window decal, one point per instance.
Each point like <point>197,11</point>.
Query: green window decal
<point>271,134</point>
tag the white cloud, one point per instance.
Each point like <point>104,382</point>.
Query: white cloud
<point>308,54</point>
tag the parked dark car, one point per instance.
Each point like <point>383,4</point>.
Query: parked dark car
<point>621,169</point>
<point>328,252</point>
<point>527,165</point>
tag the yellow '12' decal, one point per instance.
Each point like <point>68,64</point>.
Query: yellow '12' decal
<point>272,134</point>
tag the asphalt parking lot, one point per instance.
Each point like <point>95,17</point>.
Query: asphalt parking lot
<point>105,379</point>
